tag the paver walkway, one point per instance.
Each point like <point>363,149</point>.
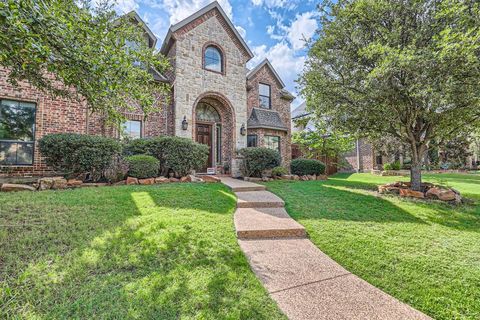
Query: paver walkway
<point>305,282</point>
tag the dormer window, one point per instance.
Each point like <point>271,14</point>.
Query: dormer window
<point>264,96</point>
<point>213,59</point>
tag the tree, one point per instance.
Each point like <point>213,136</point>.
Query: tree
<point>323,141</point>
<point>408,69</point>
<point>73,49</point>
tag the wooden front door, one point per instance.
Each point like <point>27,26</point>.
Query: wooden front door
<point>204,136</point>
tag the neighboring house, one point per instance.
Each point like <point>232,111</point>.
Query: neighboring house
<point>215,100</point>
<point>362,158</point>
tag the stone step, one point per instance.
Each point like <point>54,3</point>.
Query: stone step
<point>258,199</point>
<point>237,185</point>
<point>262,223</point>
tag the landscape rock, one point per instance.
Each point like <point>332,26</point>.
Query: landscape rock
<point>74,182</point>
<point>185,179</point>
<point>147,181</point>
<point>195,179</point>
<point>411,193</point>
<point>120,183</point>
<point>441,194</point>
<point>304,178</point>
<point>162,180</point>
<point>11,187</point>
<point>45,183</point>
<point>59,183</point>
<point>296,177</point>
<point>210,179</point>
<point>287,177</point>
<point>172,179</point>
<point>322,177</point>
<point>132,180</point>
<point>94,184</point>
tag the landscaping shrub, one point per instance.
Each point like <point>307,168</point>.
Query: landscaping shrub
<point>79,154</point>
<point>392,166</point>
<point>304,167</point>
<point>279,171</point>
<point>142,166</point>
<point>180,155</point>
<point>257,160</point>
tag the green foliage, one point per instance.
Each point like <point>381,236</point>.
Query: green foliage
<point>84,45</point>
<point>392,166</point>
<point>180,155</point>
<point>303,167</point>
<point>79,154</point>
<point>257,160</point>
<point>279,171</point>
<point>323,140</point>
<point>142,166</point>
<point>405,69</point>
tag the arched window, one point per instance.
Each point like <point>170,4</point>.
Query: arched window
<point>213,59</point>
<point>207,113</point>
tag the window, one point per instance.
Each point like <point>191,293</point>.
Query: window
<point>252,140</point>
<point>272,142</point>
<point>132,129</point>
<point>17,132</point>
<point>213,59</point>
<point>264,95</point>
<point>207,113</point>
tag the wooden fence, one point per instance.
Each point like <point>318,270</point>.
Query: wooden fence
<point>330,163</point>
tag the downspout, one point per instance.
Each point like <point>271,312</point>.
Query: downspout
<point>358,156</point>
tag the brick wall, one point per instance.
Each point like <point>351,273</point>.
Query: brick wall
<point>279,104</point>
<point>366,159</point>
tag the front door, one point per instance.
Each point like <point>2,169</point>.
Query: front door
<point>204,136</point>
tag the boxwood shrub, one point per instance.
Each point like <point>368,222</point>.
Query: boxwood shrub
<point>304,167</point>
<point>142,166</point>
<point>180,155</point>
<point>279,171</point>
<point>257,160</point>
<point>79,154</point>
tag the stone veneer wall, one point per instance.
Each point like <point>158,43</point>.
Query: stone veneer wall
<point>282,106</point>
<point>192,81</point>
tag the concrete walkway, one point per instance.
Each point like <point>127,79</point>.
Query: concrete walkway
<point>305,282</point>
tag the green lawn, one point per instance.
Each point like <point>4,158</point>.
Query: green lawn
<point>425,254</point>
<point>138,252</point>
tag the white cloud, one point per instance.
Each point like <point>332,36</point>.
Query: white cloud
<point>180,9</point>
<point>125,6</point>
<point>303,28</point>
<point>283,58</point>
<point>285,4</point>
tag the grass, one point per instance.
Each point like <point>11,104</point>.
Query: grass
<point>130,252</point>
<point>425,254</point>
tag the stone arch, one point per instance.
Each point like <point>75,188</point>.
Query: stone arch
<point>227,121</point>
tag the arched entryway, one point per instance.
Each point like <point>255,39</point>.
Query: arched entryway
<point>213,126</point>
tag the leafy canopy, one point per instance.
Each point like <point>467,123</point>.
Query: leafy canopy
<point>85,48</point>
<point>408,69</point>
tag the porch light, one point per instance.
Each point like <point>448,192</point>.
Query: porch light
<point>243,130</point>
<point>184,123</point>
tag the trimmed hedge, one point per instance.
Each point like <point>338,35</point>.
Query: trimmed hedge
<point>304,167</point>
<point>392,166</point>
<point>142,166</point>
<point>79,154</point>
<point>257,160</point>
<point>279,171</point>
<point>180,155</point>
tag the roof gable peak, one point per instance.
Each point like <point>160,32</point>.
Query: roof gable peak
<point>267,63</point>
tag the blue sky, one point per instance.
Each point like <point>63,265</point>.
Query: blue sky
<point>273,29</point>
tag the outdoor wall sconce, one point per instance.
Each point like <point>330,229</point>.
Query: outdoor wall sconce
<point>243,130</point>
<point>184,123</point>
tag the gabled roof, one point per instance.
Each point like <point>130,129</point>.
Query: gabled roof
<point>184,22</point>
<point>300,111</point>
<point>262,118</point>
<point>265,61</point>
<point>151,36</point>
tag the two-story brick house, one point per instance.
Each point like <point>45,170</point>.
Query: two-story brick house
<point>215,100</point>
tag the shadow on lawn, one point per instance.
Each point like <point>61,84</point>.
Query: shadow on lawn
<point>158,257</point>
<point>339,199</point>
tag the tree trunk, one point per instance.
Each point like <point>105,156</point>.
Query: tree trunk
<point>416,175</point>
